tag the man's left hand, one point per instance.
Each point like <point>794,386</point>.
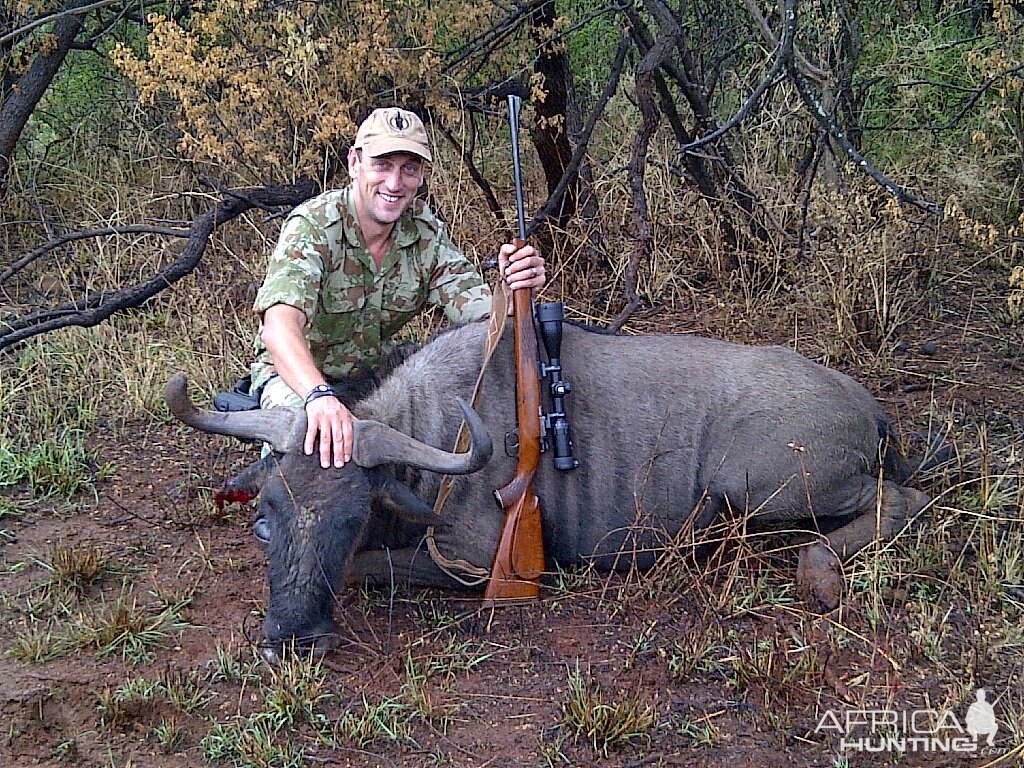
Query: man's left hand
<point>522,268</point>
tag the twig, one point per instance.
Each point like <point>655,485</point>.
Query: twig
<point>978,93</point>
<point>99,307</point>
<point>137,229</point>
<point>54,16</point>
<point>783,59</point>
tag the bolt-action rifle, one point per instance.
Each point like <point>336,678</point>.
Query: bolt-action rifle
<point>519,559</point>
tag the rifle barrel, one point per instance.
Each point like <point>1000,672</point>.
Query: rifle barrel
<point>514,104</point>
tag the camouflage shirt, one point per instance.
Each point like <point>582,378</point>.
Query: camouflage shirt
<point>322,266</point>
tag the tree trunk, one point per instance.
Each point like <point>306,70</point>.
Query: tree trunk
<point>27,89</point>
<point>550,136</point>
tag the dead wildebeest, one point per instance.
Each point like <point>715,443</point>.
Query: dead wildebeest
<point>668,430</point>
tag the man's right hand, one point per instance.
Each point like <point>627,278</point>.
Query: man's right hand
<point>330,419</point>
<point>325,416</point>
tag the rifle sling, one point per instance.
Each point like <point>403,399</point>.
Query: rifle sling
<point>464,572</point>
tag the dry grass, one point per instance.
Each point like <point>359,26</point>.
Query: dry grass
<point>716,632</point>
<point>77,567</point>
<point>602,720</point>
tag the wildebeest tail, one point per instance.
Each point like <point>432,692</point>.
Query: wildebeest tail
<point>894,464</point>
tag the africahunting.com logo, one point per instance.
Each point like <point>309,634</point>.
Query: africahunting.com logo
<point>918,730</point>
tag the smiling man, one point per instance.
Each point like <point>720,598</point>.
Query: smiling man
<point>354,265</point>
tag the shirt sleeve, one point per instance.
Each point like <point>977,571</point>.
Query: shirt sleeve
<point>456,285</point>
<point>296,269</point>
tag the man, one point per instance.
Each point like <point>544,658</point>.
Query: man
<point>351,267</point>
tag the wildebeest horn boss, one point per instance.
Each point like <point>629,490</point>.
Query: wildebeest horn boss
<point>669,430</point>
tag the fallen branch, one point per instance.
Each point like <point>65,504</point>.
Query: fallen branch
<point>95,309</point>
<point>86,234</point>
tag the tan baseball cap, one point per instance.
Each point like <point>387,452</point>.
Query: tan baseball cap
<point>392,130</point>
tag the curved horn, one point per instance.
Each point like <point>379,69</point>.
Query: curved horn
<point>283,428</point>
<point>377,443</point>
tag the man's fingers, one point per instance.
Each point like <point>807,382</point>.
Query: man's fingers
<point>523,267</point>
<point>342,435</point>
<point>325,445</point>
<point>332,421</point>
<point>345,444</point>
<point>528,273</point>
<point>311,431</point>
<point>503,258</point>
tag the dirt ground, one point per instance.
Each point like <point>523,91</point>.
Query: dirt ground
<point>716,665</point>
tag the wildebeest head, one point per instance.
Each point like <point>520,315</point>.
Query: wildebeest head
<point>318,516</point>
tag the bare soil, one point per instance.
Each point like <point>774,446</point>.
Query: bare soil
<point>731,669</point>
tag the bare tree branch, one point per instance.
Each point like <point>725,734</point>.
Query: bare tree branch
<point>783,57</point>
<point>685,74</point>
<point>71,237</point>
<point>817,74</point>
<point>550,131</point>
<point>97,308</point>
<point>655,56</point>
<point>554,201</point>
<point>828,125</point>
<point>474,173</point>
<point>978,92</point>
<point>25,91</point>
<point>42,20</point>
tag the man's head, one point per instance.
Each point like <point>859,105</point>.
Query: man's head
<point>386,164</point>
<point>391,130</point>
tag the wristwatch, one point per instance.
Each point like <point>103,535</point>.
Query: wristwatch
<point>320,390</point>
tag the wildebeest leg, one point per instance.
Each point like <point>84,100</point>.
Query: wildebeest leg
<point>412,565</point>
<point>819,573</point>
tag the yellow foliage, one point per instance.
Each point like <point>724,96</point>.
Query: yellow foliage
<point>996,61</point>
<point>1015,300</point>
<point>35,7</point>
<point>273,92</point>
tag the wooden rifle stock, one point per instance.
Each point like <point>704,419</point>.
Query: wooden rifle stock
<point>519,559</point>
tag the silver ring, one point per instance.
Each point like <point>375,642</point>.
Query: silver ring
<point>534,270</point>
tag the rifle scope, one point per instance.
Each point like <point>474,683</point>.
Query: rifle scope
<point>549,316</point>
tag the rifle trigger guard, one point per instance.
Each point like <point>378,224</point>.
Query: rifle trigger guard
<point>512,443</point>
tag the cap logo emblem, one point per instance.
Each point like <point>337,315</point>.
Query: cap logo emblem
<point>398,122</point>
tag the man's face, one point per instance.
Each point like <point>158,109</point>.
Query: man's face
<point>384,186</point>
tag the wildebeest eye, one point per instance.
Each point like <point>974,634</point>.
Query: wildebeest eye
<point>268,500</point>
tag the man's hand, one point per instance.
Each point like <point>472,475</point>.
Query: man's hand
<point>522,268</point>
<point>283,334</point>
<point>333,421</point>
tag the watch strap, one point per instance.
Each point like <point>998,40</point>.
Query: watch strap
<point>320,390</point>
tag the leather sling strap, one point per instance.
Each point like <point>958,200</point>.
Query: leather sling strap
<point>464,572</point>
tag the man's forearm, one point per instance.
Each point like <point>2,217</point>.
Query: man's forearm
<point>328,422</point>
<point>290,353</point>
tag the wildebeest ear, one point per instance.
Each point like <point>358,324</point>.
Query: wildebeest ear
<point>398,498</point>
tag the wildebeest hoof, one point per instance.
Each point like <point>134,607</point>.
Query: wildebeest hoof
<point>819,577</point>
<point>275,652</point>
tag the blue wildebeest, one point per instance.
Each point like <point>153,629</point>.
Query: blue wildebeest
<point>670,431</point>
